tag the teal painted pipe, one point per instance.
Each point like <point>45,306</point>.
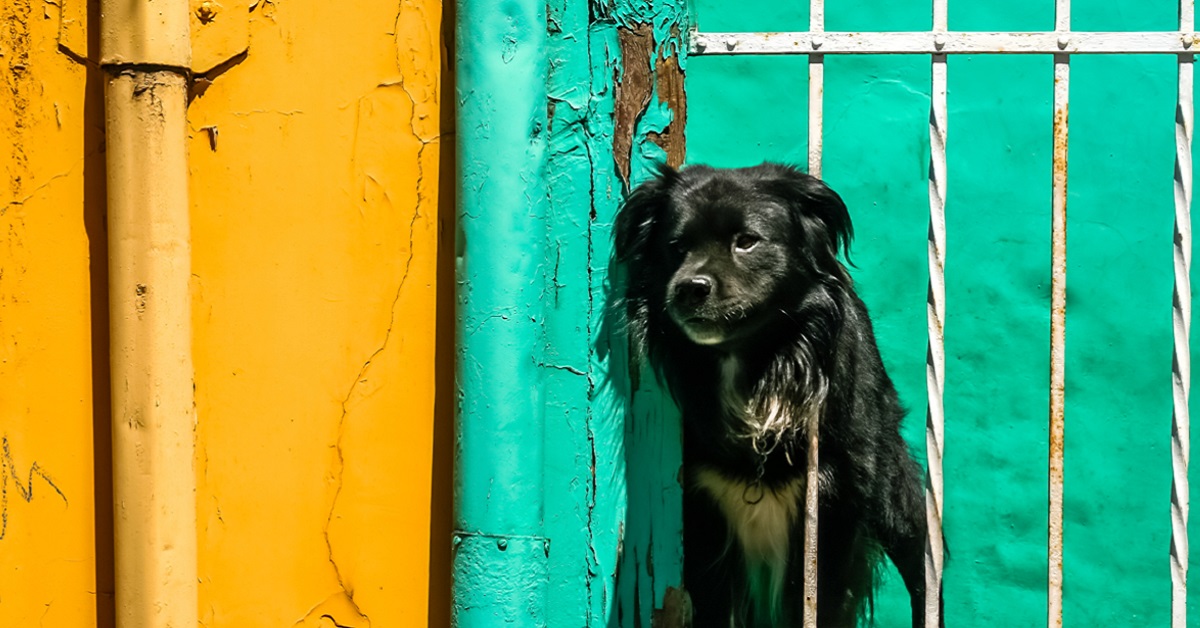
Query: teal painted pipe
<point>500,552</point>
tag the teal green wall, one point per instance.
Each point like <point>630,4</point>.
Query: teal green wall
<point>745,110</point>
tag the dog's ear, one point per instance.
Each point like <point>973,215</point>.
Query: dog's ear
<point>638,216</point>
<point>633,247</point>
<point>819,213</point>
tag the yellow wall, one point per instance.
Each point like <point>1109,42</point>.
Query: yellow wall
<point>314,238</point>
<point>316,177</point>
<point>52,273</point>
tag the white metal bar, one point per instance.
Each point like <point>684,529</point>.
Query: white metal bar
<point>816,106</point>
<point>816,97</point>
<point>1062,16</point>
<point>1058,316</point>
<point>816,89</point>
<point>935,42</point>
<point>935,365</point>
<point>811,492</point>
<point>1058,319</point>
<point>1182,319</point>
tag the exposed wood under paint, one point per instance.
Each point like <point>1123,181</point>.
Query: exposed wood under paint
<point>638,81</point>
<point>669,78</point>
<point>632,89</point>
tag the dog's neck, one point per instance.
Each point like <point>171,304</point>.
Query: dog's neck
<point>773,403</point>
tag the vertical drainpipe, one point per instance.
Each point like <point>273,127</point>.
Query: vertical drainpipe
<point>500,551</point>
<point>145,51</point>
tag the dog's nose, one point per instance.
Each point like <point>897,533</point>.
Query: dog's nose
<point>693,290</point>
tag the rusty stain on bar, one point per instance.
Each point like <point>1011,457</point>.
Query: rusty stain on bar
<point>1058,319</point>
<point>812,489</point>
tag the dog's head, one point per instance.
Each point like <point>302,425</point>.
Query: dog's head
<point>720,253</point>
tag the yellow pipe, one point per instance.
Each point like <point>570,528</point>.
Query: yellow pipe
<point>145,52</point>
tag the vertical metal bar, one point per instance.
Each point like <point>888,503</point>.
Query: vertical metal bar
<point>810,527</point>
<point>816,95</point>
<point>816,87</point>
<point>1058,313</point>
<point>1182,318</point>
<point>935,364</point>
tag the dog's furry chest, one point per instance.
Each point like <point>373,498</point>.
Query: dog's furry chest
<point>761,513</point>
<point>760,517</point>
<point>760,521</point>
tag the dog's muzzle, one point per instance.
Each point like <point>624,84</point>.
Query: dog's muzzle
<point>687,308</point>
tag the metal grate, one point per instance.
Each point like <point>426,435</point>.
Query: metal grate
<point>1062,43</point>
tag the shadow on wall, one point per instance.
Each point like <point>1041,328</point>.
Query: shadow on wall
<point>441,506</point>
<point>94,221</point>
<point>649,564</point>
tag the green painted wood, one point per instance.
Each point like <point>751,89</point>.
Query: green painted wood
<point>557,441</point>
<point>612,445</point>
<point>577,448</point>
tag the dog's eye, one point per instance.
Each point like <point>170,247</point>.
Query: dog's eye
<point>745,242</point>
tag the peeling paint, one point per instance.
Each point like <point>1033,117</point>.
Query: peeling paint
<point>607,65</point>
<point>676,610</point>
<point>17,80</point>
<point>669,90</point>
<point>632,90</point>
<point>650,67</point>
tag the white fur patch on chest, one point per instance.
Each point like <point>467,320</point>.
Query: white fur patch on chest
<point>761,520</point>
<point>767,421</point>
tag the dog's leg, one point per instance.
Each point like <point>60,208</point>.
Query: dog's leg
<point>899,519</point>
<point>845,570</point>
<point>710,563</point>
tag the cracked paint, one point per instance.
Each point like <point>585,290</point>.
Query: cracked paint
<point>616,103</point>
<point>315,229</point>
<point>646,132</point>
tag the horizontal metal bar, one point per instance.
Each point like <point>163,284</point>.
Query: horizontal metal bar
<point>955,42</point>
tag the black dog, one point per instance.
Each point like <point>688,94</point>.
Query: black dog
<point>736,294</point>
